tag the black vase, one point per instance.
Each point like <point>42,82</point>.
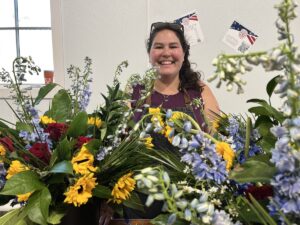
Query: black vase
<point>87,214</point>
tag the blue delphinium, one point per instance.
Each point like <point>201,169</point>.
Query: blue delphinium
<point>38,133</point>
<point>237,133</point>
<point>206,163</point>
<point>286,182</point>
<point>2,175</point>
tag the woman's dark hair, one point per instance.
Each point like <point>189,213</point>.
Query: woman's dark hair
<point>189,79</point>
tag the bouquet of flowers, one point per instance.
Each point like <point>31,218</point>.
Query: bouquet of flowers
<point>65,156</point>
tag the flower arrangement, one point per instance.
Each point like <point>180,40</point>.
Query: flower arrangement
<point>65,157</point>
<point>246,171</point>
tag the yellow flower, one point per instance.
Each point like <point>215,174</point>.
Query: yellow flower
<point>81,191</point>
<point>95,121</point>
<point>122,188</point>
<point>23,197</point>
<point>83,162</point>
<point>15,167</point>
<point>148,142</point>
<point>226,152</point>
<point>177,116</point>
<point>2,152</point>
<point>46,120</point>
<point>215,124</point>
<point>156,117</point>
<point>168,131</point>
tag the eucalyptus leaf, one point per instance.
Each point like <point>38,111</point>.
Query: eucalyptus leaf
<point>43,92</point>
<point>22,183</point>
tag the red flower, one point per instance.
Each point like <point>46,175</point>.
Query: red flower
<point>56,130</point>
<point>82,140</point>
<point>41,151</point>
<point>260,193</point>
<point>7,142</point>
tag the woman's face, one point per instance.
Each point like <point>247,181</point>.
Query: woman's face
<point>166,53</point>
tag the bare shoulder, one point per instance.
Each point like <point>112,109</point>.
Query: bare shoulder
<point>210,101</point>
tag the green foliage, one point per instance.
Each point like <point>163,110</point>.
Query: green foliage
<point>78,125</point>
<point>43,92</point>
<point>61,108</point>
<point>255,169</point>
<point>29,180</point>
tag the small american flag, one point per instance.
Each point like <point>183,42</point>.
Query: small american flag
<point>244,32</point>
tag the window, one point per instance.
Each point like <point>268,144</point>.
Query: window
<point>25,30</point>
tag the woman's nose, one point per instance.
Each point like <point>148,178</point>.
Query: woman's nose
<point>166,51</point>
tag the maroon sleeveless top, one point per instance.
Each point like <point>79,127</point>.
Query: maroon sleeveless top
<point>177,102</point>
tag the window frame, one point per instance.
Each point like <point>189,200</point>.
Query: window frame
<point>58,56</point>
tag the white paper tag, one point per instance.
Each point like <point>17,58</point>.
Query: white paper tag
<point>239,37</point>
<point>192,30</point>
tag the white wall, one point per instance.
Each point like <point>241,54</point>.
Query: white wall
<point>110,31</point>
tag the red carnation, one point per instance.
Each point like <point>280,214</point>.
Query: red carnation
<point>41,151</point>
<point>261,192</point>
<point>56,130</point>
<point>82,140</point>
<point>7,142</point>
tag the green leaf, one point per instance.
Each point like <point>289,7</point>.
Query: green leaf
<point>134,202</point>
<point>62,167</point>
<point>79,125</point>
<point>23,126</point>
<point>3,125</point>
<point>22,183</point>
<point>13,217</point>
<point>253,171</point>
<point>101,192</point>
<point>63,151</point>
<point>265,109</point>
<point>55,217</point>
<point>271,85</point>
<point>38,206</point>
<point>43,92</point>
<point>61,108</point>
<point>262,211</point>
<point>93,146</point>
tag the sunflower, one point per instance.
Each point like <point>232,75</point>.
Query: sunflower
<point>122,188</point>
<point>15,167</point>
<point>226,152</point>
<point>95,121</point>
<point>83,161</point>
<point>46,120</point>
<point>81,191</point>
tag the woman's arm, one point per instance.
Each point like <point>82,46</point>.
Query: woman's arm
<point>211,106</point>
